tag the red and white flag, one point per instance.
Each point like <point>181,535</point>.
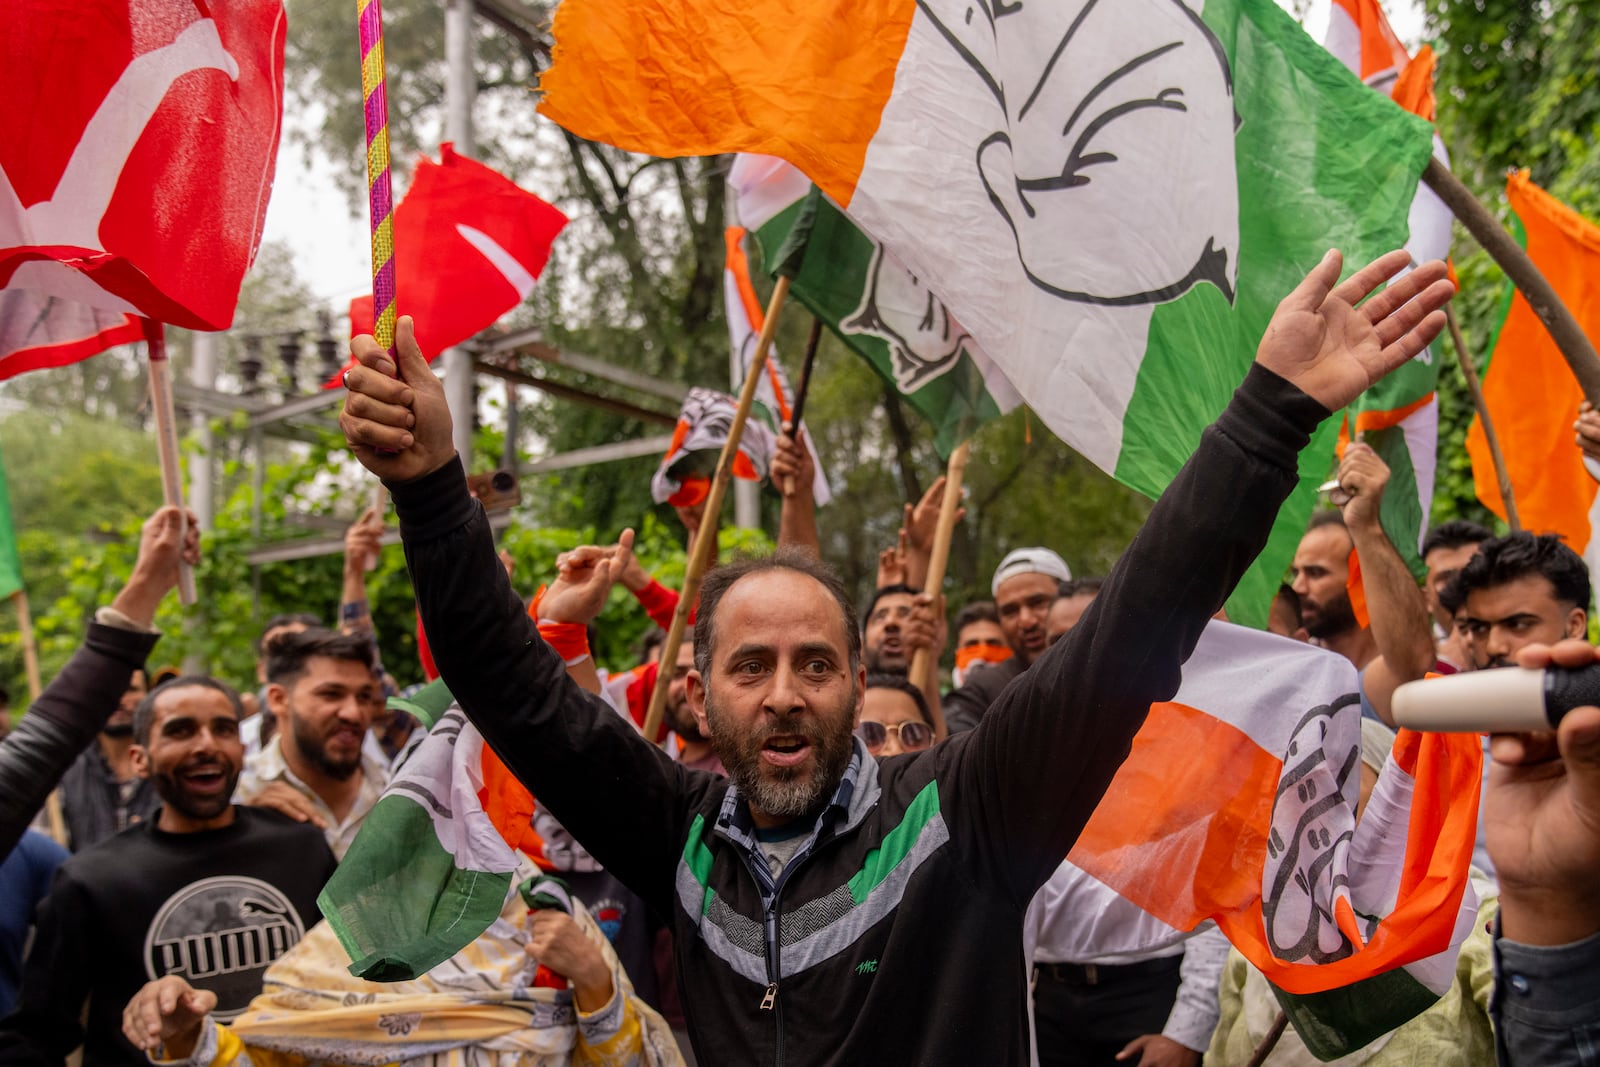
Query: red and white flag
<point>39,331</point>
<point>469,244</point>
<point>138,158</point>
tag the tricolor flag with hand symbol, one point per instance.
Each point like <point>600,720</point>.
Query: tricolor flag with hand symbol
<point>1110,198</point>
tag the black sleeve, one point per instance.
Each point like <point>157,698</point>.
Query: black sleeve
<point>622,798</point>
<point>45,1026</point>
<point>1021,786</point>
<point>63,721</point>
<point>964,708</point>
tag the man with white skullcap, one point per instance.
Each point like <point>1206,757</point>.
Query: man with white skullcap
<point>1025,584</point>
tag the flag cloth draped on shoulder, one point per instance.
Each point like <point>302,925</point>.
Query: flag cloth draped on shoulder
<point>1355,925</point>
<point>745,319</point>
<point>1067,178</point>
<point>469,245</point>
<point>1530,391</point>
<point>871,302</point>
<point>141,141</point>
<point>1399,416</point>
<point>684,477</point>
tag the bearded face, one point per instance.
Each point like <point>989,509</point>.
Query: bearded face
<point>757,757</point>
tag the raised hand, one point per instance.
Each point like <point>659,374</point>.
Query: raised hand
<point>363,541</point>
<point>1332,350</point>
<point>167,1012</point>
<point>1587,432</point>
<point>170,537</point>
<point>792,470</point>
<point>395,419</point>
<point>1362,479</point>
<point>583,581</point>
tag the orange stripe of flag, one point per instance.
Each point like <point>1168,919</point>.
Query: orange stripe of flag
<point>1530,391</point>
<point>1380,48</point>
<point>1214,811</point>
<point>739,265</point>
<point>805,82</point>
<point>1212,817</point>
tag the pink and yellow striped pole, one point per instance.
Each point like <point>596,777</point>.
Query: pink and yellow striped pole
<point>380,191</point>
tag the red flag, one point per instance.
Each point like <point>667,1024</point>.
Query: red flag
<point>38,331</point>
<point>141,140</point>
<point>469,244</point>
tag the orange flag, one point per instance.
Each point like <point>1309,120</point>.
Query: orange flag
<point>1530,391</point>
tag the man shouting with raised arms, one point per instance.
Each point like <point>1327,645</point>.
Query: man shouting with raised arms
<point>828,908</point>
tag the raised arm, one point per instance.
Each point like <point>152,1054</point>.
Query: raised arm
<point>77,703</point>
<point>561,742</point>
<point>1401,626</point>
<point>1029,776</point>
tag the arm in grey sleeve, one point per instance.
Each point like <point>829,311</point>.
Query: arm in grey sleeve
<point>1194,1014</point>
<point>1546,1003</point>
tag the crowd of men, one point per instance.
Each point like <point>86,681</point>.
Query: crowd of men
<point>830,854</point>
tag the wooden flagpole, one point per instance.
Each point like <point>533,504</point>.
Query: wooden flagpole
<point>1469,371</point>
<point>939,554</point>
<point>30,649</point>
<point>167,440</point>
<point>705,542</point>
<point>1493,239</point>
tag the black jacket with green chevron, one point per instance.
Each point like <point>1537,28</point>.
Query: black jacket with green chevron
<point>895,934</point>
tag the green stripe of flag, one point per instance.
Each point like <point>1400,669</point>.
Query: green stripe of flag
<point>1323,162</point>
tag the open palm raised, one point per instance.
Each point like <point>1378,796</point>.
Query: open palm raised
<point>1330,348</point>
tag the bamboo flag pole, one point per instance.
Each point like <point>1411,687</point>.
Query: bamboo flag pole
<point>939,554</point>
<point>30,650</point>
<point>167,440</point>
<point>1469,371</point>
<point>705,543</point>
<point>1492,237</point>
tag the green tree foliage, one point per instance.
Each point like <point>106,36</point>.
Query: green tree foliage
<point>1518,86</point>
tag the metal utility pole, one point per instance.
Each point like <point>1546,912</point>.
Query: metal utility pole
<point>203,375</point>
<point>461,87</point>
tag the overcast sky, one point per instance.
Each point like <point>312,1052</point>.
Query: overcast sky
<point>332,245</point>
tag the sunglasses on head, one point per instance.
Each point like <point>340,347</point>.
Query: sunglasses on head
<point>913,735</point>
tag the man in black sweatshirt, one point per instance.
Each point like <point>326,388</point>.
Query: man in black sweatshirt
<point>828,908</point>
<point>205,890</point>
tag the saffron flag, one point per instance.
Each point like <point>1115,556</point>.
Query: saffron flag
<point>1067,178</point>
<point>141,141</point>
<point>469,244</point>
<point>872,303</point>
<point>1399,416</point>
<point>1530,391</point>
<point>39,331</point>
<point>745,319</point>
<point>1356,925</point>
<point>684,477</point>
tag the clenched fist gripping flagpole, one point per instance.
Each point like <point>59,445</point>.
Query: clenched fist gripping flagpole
<point>705,543</point>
